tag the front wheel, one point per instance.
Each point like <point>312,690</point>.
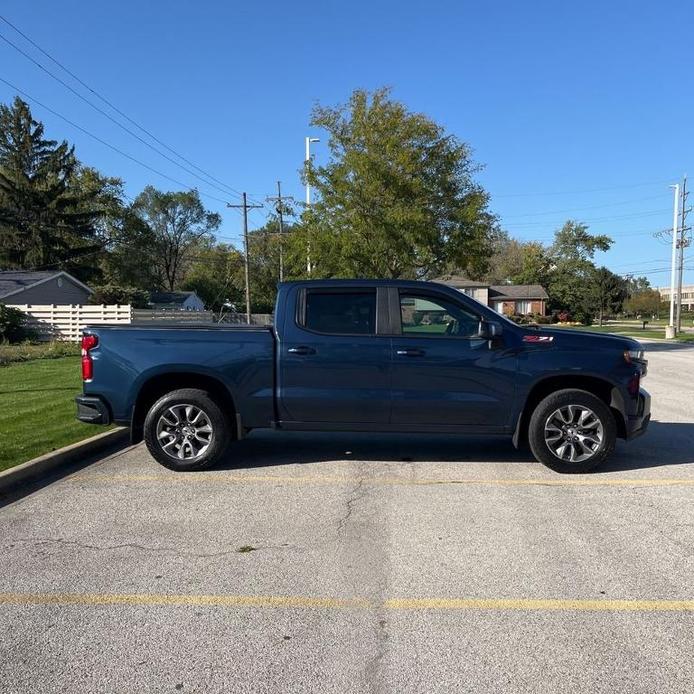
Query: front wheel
<point>186,430</point>
<point>572,431</point>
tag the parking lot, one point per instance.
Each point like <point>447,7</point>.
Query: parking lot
<point>361,563</point>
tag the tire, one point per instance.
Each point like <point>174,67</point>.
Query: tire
<point>186,430</point>
<point>565,439</point>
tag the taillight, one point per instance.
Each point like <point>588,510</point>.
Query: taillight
<point>88,343</point>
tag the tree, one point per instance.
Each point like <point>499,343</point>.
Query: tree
<point>572,269</point>
<point>605,292</point>
<point>48,217</point>
<point>216,275</point>
<point>518,262</point>
<point>396,199</point>
<point>179,224</point>
<point>644,302</point>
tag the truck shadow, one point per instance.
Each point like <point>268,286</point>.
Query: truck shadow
<point>665,443</point>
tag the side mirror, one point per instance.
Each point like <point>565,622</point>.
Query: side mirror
<point>489,329</point>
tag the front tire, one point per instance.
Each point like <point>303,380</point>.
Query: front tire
<point>572,431</point>
<point>186,430</point>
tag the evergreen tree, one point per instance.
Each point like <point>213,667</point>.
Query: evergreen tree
<point>47,219</point>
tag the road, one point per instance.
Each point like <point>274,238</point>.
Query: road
<point>343,563</point>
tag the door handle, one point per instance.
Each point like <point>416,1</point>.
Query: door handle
<point>410,352</point>
<point>302,350</point>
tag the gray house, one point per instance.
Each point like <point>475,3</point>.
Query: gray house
<point>42,287</point>
<point>176,301</point>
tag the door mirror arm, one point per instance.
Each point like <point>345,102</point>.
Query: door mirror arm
<point>489,329</point>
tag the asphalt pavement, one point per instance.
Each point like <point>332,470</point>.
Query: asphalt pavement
<point>362,563</point>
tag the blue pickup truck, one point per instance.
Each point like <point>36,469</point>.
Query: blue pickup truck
<point>367,355</point>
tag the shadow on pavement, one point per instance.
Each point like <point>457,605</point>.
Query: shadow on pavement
<point>662,346</point>
<point>665,443</point>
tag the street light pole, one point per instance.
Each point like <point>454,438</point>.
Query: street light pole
<point>307,161</point>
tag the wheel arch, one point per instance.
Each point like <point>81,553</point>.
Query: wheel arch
<point>599,387</point>
<point>155,386</point>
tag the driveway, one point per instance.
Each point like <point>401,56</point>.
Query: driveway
<point>344,563</point>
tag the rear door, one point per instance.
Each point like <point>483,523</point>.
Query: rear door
<point>443,373</point>
<point>334,368</point>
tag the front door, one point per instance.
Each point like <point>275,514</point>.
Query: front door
<point>443,373</point>
<point>333,367</point>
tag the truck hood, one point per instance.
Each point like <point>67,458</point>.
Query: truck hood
<point>584,339</point>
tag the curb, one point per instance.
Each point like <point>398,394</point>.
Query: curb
<point>75,452</point>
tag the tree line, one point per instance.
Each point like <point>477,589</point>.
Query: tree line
<point>397,198</point>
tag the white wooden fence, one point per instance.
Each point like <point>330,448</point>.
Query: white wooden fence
<point>66,322</point>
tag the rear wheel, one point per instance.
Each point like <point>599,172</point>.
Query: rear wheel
<point>572,431</point>
<point>186,430</point>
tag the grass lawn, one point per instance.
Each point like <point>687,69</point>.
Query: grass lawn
<point>627,331</point>
<point>37,409</point>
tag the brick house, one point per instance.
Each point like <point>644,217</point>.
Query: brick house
<point>508,299</point>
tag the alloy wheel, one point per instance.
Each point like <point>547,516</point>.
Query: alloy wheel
<point>574,433</point>
<point>184,431</point>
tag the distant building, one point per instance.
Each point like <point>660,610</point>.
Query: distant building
<point>176,301</point>
<point>44,287</point>
<point>508,299</point>
<point>687,296</point>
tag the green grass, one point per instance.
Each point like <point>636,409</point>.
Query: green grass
<point>44,350</point>
<point>628,331</point>
<point>37,409</point>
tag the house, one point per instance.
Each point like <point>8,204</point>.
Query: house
<point>42,287</point>
<point>508,299</point>
<point>176,301</point>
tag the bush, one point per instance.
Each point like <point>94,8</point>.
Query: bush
<point>45,350</point>
<point>13,328</point>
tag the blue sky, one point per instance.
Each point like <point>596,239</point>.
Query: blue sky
<point>577,110</point>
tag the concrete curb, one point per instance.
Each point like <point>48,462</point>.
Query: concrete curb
<point>38,467</point>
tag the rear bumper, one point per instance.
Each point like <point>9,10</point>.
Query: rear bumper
<point>91,409</point>
<point>637,424</point>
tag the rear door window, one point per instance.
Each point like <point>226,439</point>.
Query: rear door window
<point>341,313</point>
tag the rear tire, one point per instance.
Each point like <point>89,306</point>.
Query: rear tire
<point>186,430</point>
<point>572,431</point>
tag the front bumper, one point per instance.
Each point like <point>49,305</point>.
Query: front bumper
<point>637,424</point>
<point>91,409</point>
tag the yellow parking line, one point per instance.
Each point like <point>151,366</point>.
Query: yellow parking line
<point>289,601</point>
<point>215,478</point>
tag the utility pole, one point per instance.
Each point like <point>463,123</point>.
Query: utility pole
<point>683,243</point>
<point>245,207</point>
<point>279,208</point>
<point>670,331</point>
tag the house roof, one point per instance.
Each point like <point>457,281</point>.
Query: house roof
<point>169,298</point>
<point>514,292</point>
<point>459,281</point>
<point>15,281</point>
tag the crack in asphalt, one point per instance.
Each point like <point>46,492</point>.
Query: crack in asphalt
<point>355,494</point>
<point>132,545</point>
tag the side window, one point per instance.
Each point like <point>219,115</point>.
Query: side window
<point>341,313</point>
<point>435,317</point>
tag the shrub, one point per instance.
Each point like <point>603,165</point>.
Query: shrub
<point>13,328</point>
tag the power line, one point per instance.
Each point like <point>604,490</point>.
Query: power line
<point>107,144</point>
<point>580,192</point>
<point>589,207</point>
<point>111,105</point>
<point>113,120</point>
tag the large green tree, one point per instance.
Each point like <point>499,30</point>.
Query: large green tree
<point>50,207</point>
<point>216,275</point>
<point>397,198</point>
<point>573,269</point>
<point>178,225</point>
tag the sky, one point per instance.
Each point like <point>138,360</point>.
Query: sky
<point>572,110</point>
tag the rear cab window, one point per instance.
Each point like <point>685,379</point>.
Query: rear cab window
<point>340,312</point>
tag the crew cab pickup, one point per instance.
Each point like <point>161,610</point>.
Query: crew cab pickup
<point>367,355</point>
